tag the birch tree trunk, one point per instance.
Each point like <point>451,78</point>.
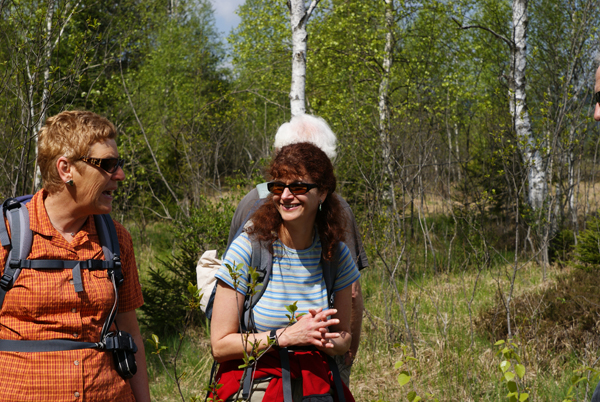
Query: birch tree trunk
<point>299,16</point>
<point>532,157</point>
<point>384,111</point>
<point>37,181</point>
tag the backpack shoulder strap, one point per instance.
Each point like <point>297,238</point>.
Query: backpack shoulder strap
<point>262,261</point>
<point>20,240</point>
<point>330,273</point>
<point>107,234</point>
<point>240,229</point>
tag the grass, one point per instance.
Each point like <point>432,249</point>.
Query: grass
<point>456,359</point>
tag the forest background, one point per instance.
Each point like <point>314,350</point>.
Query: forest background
<point>460,256</point>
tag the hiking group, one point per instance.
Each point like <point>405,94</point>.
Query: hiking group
<point>69,286</point>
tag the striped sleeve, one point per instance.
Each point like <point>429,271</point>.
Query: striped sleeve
<point>240,252</point>
<point>347,271</point>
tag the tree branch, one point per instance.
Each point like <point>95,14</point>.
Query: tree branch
<point>509,42</point>
<point>62,29</point>
<point>148,142</point>
<point>312,6</point>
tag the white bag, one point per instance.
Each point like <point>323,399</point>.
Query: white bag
<point>207,267</point>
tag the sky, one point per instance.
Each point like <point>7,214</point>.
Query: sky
<point>225,15</point>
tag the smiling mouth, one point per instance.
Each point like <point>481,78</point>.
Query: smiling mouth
<point>108,193</point>
<point>290,206</point>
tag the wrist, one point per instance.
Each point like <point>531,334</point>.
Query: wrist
<point>282,340</point>
<point>273,338</point>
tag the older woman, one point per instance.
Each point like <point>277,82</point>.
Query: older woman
<point>302,225</point>
<point>81,169</point>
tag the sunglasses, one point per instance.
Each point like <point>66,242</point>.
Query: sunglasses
<point>597,97</point>
<point>298,188</point>
<point>109,165</point>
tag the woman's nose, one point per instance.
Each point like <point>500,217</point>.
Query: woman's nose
<point>287,193</point>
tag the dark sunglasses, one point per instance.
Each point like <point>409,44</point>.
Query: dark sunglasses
<point>298,188</point>
<point>597,97</point>
<point>109,165</point>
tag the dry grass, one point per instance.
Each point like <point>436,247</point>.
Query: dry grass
<point>455,361</point>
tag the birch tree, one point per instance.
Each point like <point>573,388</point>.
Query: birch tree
<point>34,33</point>
<point>299,16</point>
<point>384,112</point>
<point>517,95</point>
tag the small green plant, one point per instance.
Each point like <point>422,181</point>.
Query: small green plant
<point>253,356</point>
<point>583,375</point>
<point>406,375</point>
<point>512,370</point>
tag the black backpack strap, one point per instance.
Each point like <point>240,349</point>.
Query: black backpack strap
<point>286,378</point>
<point>247,382</point>
<point>107,234</point>
<point>262,260</point>
<point>337,379</point>
<point>330,273</point>
<point>50,345</point>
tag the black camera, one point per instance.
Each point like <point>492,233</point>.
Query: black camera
<point>123,348</point>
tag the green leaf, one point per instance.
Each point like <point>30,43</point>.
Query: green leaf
<point>398,364</point>
<point>512,386</point>
<point>500,342</point>
<point>505,365</point>
<point>509,376</point>
<point>520,370</point>
<point>523,397</point>
<point>411,396</point>
<point>403,379</point>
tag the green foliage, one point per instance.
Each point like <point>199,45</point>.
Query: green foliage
<point>512,371</point>
<point>583,375</point>
<point>405,376</point>
<point>561,246</point>
<point>165,294</point>
<point>587,249</point>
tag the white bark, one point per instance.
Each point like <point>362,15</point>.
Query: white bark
<point>299,16</point>
<point>384,112</point>
<point>532,157</point>
<point>48,48</point>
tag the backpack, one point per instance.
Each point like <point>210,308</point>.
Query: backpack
<point>120,342</point>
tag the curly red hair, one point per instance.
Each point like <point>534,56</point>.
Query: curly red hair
<point>298,161</point>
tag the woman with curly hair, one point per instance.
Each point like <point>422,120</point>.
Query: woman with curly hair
<point>301,224</point>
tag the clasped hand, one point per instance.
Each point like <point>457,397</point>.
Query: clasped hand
<point>312,329</point>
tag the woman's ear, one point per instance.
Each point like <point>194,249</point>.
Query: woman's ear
<point>323,196</point>
<point>64,168</point>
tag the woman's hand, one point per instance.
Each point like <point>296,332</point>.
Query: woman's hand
<point>311,329</point>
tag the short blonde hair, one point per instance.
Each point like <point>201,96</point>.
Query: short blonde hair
<point>69,134</point>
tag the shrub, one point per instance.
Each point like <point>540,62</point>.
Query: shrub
<point>588,245</point>
<point>561,246</point>
<point>164,293</point>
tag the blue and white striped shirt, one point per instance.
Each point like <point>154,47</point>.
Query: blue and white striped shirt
<point>297,277</point>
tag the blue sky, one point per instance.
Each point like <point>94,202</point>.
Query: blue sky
<point>225,15</point>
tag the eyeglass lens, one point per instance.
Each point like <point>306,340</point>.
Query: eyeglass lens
<point>110,165</point>
<point>295,188</point>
